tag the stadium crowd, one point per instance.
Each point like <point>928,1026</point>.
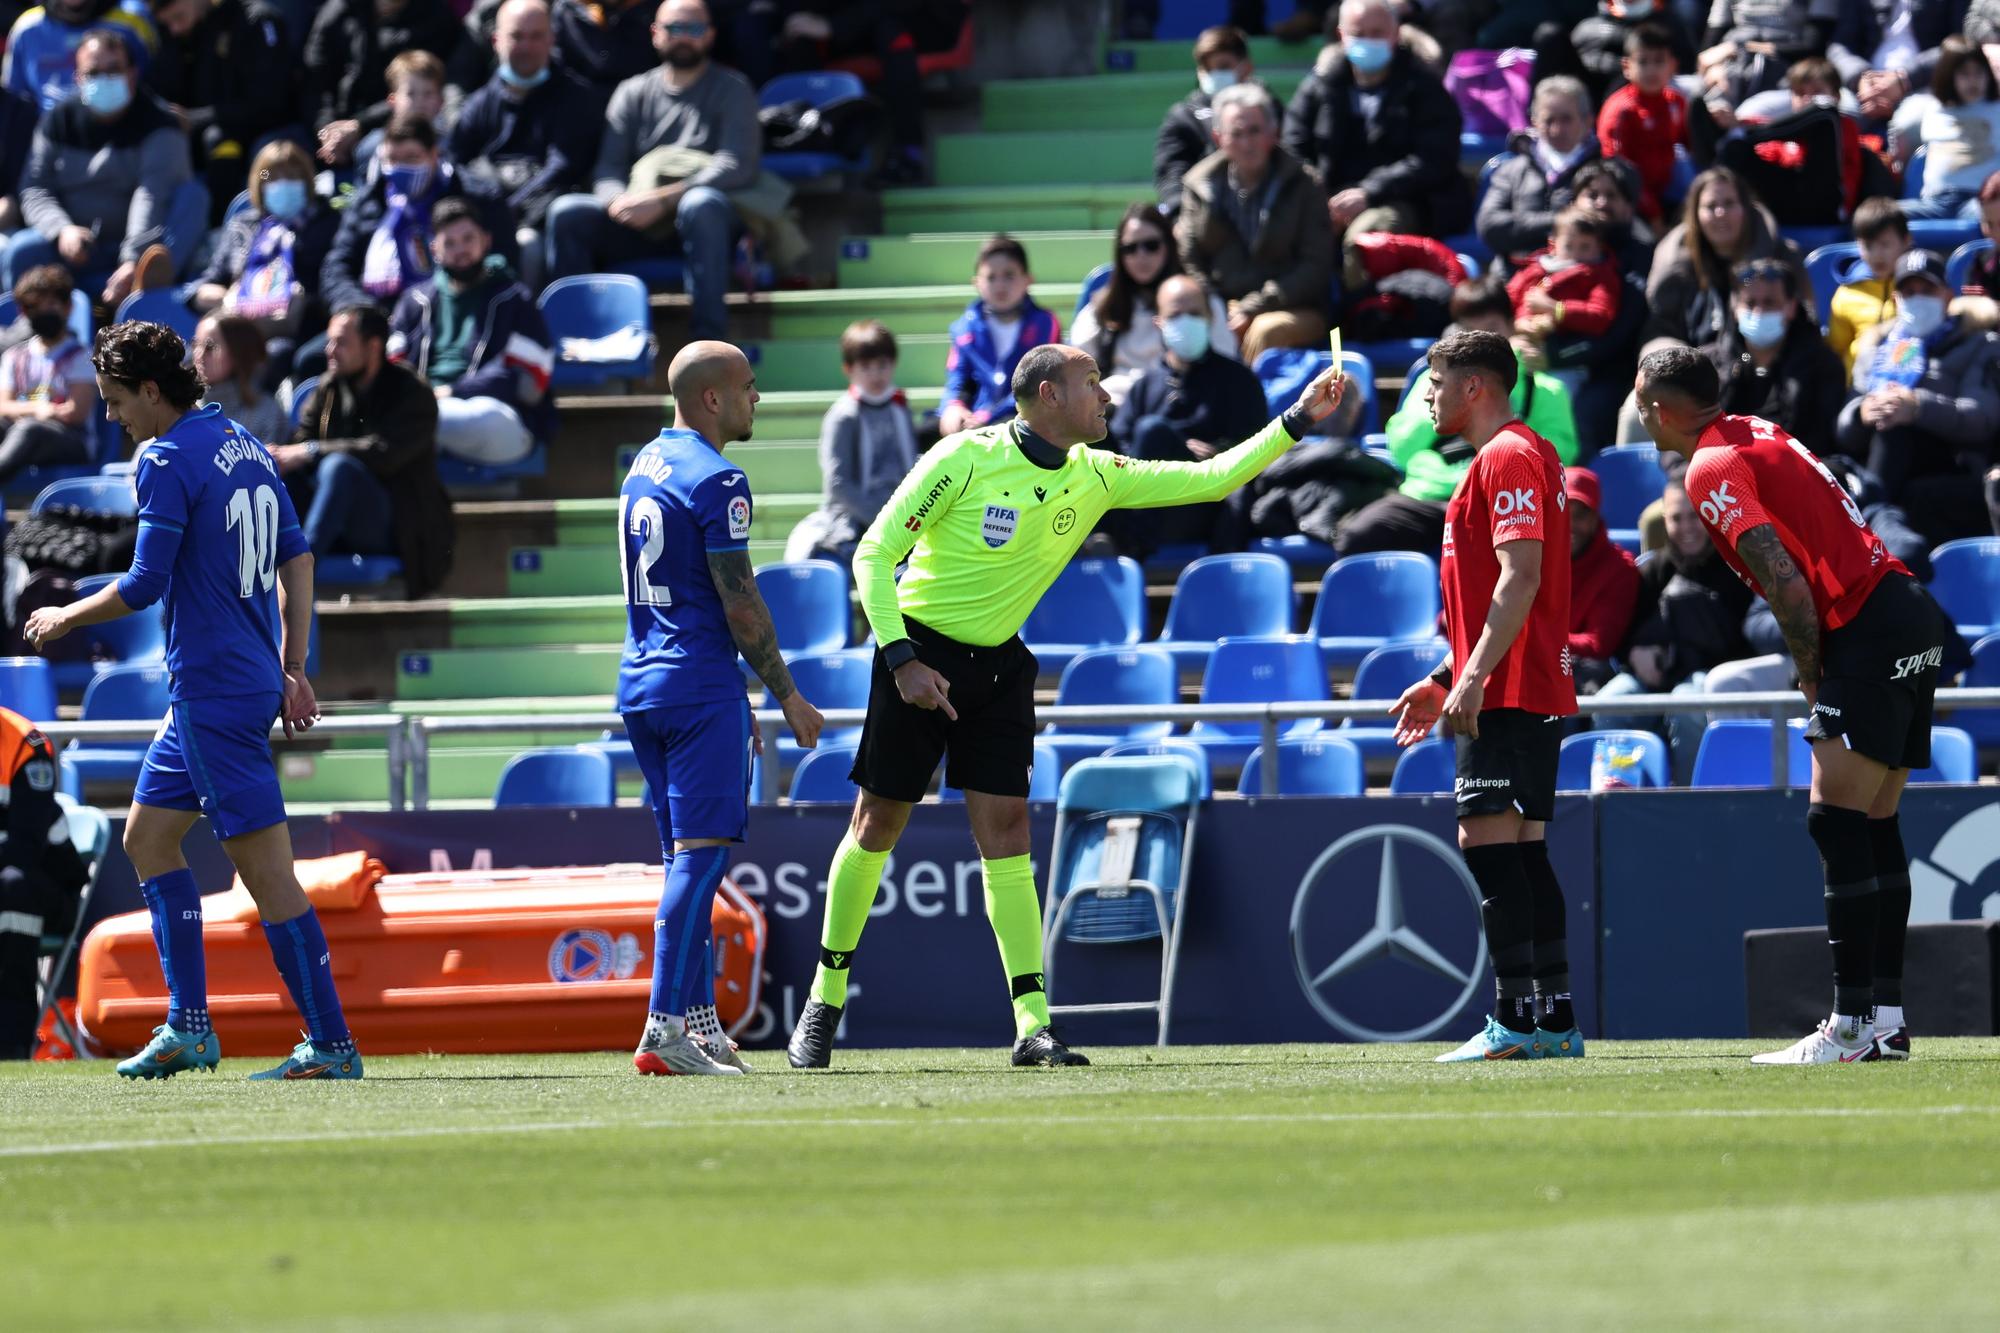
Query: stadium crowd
<point>359,204</point>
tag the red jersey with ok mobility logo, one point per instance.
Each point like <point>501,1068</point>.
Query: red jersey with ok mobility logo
<point>1512,492</point>
<point>1746,472</point>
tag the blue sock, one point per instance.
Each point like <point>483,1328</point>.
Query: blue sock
<point>299,949</point>
<point>681,928</point>
<point>175,905</point>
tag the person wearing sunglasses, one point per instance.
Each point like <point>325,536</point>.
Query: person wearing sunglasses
<point>708,114</point>
<point>1117,327</point>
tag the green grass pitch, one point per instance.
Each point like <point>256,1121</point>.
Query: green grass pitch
<point>1650,1186</point>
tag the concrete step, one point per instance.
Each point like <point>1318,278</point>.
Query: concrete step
<point>937,259</point>
<point>1042,157</point>
<point>1041,207</point>
<point>814,363</point>
<point>906,310</point>
<point>1104,102</point>
<point>474,673</point>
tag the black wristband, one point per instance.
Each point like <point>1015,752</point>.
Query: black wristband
<point>897,653</point>
<point>1298,423</point>
<point>1442,676</point>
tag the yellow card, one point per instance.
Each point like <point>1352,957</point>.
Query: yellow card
<point>1333,341</point>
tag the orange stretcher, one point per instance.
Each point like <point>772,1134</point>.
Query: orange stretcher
<point>455,962</point>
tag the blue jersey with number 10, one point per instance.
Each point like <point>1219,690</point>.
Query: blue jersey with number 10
<point>681,502</point>
<point>212,484</point>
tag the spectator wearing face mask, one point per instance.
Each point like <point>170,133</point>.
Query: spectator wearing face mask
<point>48,390</point>
<point>1772,361</point>
<point>1929,404</point>
<point>1187,135</point>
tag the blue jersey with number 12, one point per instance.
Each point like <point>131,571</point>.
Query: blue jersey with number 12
<point>681,502</point>
<point>213,483</point>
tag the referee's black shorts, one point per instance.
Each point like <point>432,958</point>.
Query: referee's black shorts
<point>989,749</point>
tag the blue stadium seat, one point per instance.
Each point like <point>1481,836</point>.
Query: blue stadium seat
<point>1573,762</point>
<point>160,306</point>
<point>1426,768</point>
<point>1827,268</point>
<point>1943,235</point>
<point>1961,262</point>
<point>823,89</point>
<point>1982,723</point>
<point>459,475</point>
<point>571,777</point>
<point>1965,580</point>
<point>104,495</point>
<point>1366,601</point>
<point>827,680</point>
<point>1282,670</point>
<point>1104,677</point>
<point>139,639</point>
<point>821,777</point>
<point>1093,603</point>
<point>1384,674</point>
<point>1286,371</point>
<point>1736,752</point>
<point>1226,596</point>
<point>1632,479</point>
<point>1322,765</point>
<point>1954,758</point>
<point>28,687</point>
<point>596,305</point>
<point>1913,173</point>
<point>1094,282</point>
<point>1391,355</point>
<point>1298,550</point>
<point>302,393</point>
<point>120,694</point>
<point>1809,239</point>
<point>1180,745</point>
<point>808,601</point>
<point>1124,843</point>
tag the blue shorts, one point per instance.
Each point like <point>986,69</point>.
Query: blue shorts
<point>214,755</point>
<point>696,759</point>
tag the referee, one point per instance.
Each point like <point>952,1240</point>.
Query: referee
<point>987,520</point>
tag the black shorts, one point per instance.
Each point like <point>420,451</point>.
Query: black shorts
<point>1511,765</point>
<point>989,749</point>
<point>1879,676</point>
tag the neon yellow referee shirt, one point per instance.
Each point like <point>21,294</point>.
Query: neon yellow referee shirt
<point>990,517</point>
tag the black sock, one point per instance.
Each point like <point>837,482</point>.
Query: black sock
<point>1507,908</point>
<point>1848,860</point>
<point>1552,996</point>
<point>1892,907</point>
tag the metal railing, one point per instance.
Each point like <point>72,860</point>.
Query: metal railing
<point>391,727</point>
<point>1780,706</point>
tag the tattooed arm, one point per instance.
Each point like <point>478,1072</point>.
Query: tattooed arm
<point>757,639</point>
<point>1786,589</point>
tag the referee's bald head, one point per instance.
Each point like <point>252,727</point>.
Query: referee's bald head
<point>1057,394</point>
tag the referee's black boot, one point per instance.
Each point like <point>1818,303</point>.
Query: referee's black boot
<point>1043,1047</point>
<point>811,1046</point>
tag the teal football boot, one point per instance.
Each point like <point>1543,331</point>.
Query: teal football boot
<point>309,1061</point>
<point>169,1052</point>
<point>1496,1042</point>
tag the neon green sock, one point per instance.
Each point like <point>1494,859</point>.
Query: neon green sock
<point>1016,916</point>
<point>851,883</point>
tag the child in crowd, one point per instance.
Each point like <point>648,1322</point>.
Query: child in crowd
<point>866,447</point>
<point>416,88</point>
<point>1572,288</point>
<point>1959,128</point>
<point>1861,303</point>
<point>990,338</point>
<point>48,389</point>
<point>1644,121</point>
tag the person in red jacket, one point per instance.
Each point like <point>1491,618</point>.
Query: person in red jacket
<point>1573,287</point>
<point>1644,120</point>
<point>1603,583</point>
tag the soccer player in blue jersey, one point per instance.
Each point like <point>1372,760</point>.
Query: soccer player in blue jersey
<point>220,543</point>
<point>691,605</point>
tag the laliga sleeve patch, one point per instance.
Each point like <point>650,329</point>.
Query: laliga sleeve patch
<point>739,516</point>
<point>41,774</point>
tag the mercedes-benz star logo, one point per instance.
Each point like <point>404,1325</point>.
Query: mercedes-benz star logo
<point>1391,935</point>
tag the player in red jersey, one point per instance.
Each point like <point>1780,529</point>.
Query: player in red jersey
<point>1868,643</point>
<point>1506,614</point>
